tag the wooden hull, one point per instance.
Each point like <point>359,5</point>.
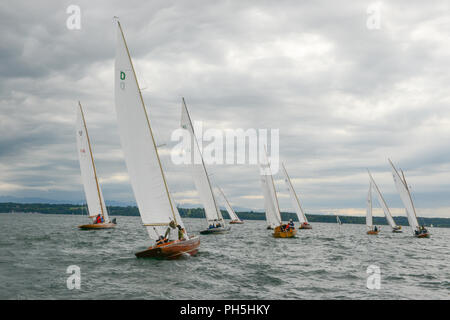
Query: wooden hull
<point>236,222</point>
<point>96,226</point>
<point>220,230</point>
<point>277,233</point>
<point>171,250</point>
<point>305,226</point>
<point>372,232</point>
<point>422,235</point>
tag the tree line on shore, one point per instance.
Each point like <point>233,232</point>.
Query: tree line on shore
<point>73,209</point>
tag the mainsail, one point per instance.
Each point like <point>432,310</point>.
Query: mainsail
<point>233,215</point>
<point>369,219</point>
<point>141,155</point>
<point>295,202</point>
<point>403,190</point>
<point>92,190</point>
<point>273,216</point>
<point>383,204</point>
<point>199,173</point>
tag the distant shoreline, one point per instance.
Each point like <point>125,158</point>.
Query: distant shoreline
<point>71,209</point>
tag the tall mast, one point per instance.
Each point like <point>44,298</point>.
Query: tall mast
<point>92,160</point>
<point>150,129</point>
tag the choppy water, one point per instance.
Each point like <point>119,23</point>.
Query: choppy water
<point>327,262</point>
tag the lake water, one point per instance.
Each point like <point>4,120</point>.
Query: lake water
<point>328,262</point>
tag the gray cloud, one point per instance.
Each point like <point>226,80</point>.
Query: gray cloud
<point>345,98</point>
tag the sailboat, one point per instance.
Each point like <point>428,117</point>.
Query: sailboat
<point>338,221</point>
<point>296,203</point>
<point>271,206</point>
<point>233,216</point>
<point>395,228</point>
<point>216,223</point>
<point>158,211</point>
<point>405,195</point>
<point>93,192</point>
<point>369,223</point>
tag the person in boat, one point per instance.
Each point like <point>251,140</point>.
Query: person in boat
<point>211,226</point>
<point>375,228</point>
<point>98,219</point>
<point>181,233</point>
<point>291,224</point>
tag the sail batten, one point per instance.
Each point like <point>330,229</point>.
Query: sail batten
<point>405,195</point>
<point>199,172</point>
<point>140,151</point>
<point>92,190</point>
<point>294,198</point>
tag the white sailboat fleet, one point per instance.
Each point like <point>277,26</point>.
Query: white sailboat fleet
<point>214,218</point>
<point>158,212</point>
<point>94,197</point>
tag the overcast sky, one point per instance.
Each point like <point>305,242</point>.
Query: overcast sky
<point>344,97</point>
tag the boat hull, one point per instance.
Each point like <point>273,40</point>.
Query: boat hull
<point>373,232</point>
<point>97,226</point>
<point>171,250</point>
<point>236,222</point>
<point>305,226</point>
<point>277,233</point>
<point>215,230</point>
<point>397,231</point>
<point>422,235</point>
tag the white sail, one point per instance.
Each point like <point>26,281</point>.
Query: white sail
<point>369,219</point>
<point>199,173</point>
<point>338,220</point>
<point>233,215</point>
<point>141,155</point>
<point>295,202</point>
<point>403,190</point>
<point>273,216</point>
<point>383,204</point>
<point>92,190</point>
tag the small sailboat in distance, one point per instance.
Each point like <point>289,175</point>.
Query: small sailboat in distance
<point>272,208</point>
<point>395,228</point>
<point>94,197</point>
<point>158,211</point>
<point>405,195</point>
<point>216,223</point>
<point>296,203</point>
<point>233,216</point>
<point>371,229</point>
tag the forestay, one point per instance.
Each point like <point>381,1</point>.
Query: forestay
<point>199,173</point>
<point>92,190</point>
<point>140,151</point>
